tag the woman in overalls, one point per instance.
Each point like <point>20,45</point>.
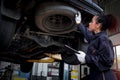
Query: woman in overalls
<point>100,54</point>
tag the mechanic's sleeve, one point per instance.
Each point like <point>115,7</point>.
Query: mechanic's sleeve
<point>87,34</point>
<point>102,58</point>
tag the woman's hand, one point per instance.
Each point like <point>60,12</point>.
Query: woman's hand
<point>81,57</point>
<point>78,18</point>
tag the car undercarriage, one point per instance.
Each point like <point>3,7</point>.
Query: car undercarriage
<point>30,28</point>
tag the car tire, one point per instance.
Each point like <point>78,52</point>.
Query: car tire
<point>55,17</point>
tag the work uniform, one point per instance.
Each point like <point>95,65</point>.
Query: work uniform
<point>99,56</point>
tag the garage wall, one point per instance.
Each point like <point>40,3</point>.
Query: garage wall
<point>115,39</point>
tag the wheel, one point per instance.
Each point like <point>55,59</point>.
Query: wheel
<point>7,30</point>
<point>55,17</point>
<point>26,67</point>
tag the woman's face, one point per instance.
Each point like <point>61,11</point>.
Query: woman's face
<point>93,25</point>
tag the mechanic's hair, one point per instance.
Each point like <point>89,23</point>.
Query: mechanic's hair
<point>108,22</point>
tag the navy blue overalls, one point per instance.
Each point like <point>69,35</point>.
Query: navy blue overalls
<point>99,56</point>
